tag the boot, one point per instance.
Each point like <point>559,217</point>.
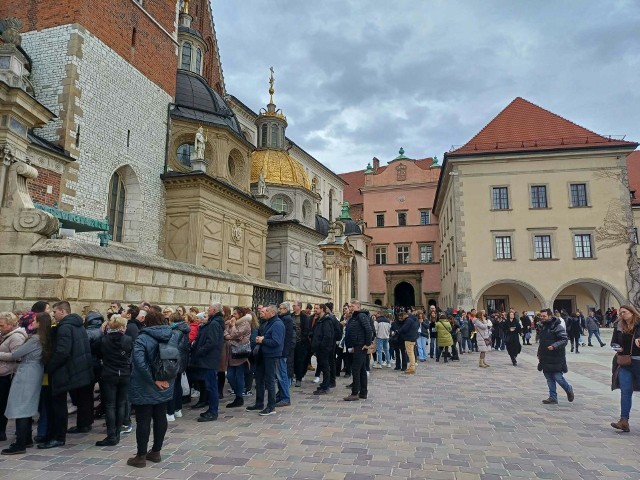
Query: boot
<point>139,461</point>
<point>154,456</point>
<point>485,363</point>
<point>481,364</point>
<point>622,424</point>
<point>110,441</point>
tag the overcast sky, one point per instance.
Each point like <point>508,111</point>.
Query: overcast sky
<point>360,78</point>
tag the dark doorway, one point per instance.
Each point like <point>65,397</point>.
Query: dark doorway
<point>404,295</point>
<point>432,302</point>
<point>565,304</point>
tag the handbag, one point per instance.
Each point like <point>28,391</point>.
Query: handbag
<point>240,351</point>
<point>626,360</point>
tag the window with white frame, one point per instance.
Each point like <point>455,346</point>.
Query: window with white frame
<point>582,246</point>
<point>500,198</point>
<point>542,247</point>
<point>426,253</point>
<point>381,255</point>
<point>578,194</point>
<point>403,254</point>
<point>503,247</point>
<point>539,196</point>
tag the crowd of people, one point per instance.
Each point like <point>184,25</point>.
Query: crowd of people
<point>150,361</point>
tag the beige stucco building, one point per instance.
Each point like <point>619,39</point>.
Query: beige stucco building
<point>520,207</point>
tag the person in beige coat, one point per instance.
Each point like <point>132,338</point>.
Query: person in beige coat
<point>12,336</point>
<point>482,332</point>
<point>236,335</point>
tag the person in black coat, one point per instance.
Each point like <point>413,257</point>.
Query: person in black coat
<point>115,352</point>
<point>284,370</point>
<point>358,340</point>
<point>574,330</point>
<point>302,324</point>
<point>525,321</point>
<point>337,335</point>
<point>551,356</point>
<point>396,344</point>
<point>322,346</point>
<point>70,369</point>
<point>135,322</point>
<point>206,353</point>
<point>409,333</point>
<point>512,337</point>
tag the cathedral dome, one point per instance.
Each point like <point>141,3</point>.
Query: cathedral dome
<point>279,168</point>
<point>195,100</point>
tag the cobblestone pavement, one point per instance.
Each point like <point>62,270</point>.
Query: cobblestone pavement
<point>451,421</point>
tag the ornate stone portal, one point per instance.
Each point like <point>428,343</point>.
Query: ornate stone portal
<point>338,256</point>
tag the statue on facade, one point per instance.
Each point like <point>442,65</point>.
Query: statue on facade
<point>262,184</point>
<point>199,144</point>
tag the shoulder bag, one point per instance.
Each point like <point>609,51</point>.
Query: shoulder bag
<point>626,360</point>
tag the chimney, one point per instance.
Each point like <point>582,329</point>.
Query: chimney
<point>376,164</point>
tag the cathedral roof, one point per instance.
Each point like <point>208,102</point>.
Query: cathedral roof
<point>322,225</point>
<point>195,100</point>
<point>279,168</point>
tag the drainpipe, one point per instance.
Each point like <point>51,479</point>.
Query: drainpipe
<point>166,141</point>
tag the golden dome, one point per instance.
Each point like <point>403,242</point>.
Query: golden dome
<point>279,168</point>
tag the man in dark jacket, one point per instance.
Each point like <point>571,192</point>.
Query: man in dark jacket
<point>322,345</point>
<point>70,370</point>
<point>525,320</point>
<point>551,356</point>
<point>271,341</point>
<point>283,396</point>
<point>135,321</point>
<point>357,340</point>
<point>302,323</point>
<point>205,355</point>
<point>409,332</point>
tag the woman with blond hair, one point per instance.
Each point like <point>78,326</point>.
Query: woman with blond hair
<point>237,336</point>
<point>483,337</point>
<point>626,374</point>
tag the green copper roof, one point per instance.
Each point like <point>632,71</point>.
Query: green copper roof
<point>79,223</point>
<point>344,214</point>
<point>401,156</point>
<point>369,169</point>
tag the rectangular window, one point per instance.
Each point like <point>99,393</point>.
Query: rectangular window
<point>542,246</point>
<point>503,248</point>
<point>500,198</point>
<point>379,219</point>
<point>402,219</point>
<point>425,217</point>
<point>582,245</point>
<point>426,253</point>
<point>381,255</point>
<point>578,194</point>
<point>539,196</point>
<point>403,254</point>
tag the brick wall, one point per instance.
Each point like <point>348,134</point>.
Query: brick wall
<point>200,10</point>
<point>38,187</point>
<point>113,22</point>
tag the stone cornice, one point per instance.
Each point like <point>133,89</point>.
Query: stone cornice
<point>294,225</point>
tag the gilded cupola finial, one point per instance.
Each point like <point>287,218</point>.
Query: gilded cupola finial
<point>185,7</point>
<point>271,89</point>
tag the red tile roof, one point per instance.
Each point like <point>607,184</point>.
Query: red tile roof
<point>523,126</point>
<point>633,171</point>
<point>355,181</point>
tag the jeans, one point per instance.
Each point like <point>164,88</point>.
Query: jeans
<point>410,348</point>
<point>235,375</point>
<point>433,347</point>
<point>324,365</point>
<point>115,393</point>
<point>283,380</point>
<point>552,379</point>
<point>626,377</point>
<point>359,371</point>
<point>5,386</point>
<point>211,383</point>
<point>266,379</point>
<point>422,347</point>
<point>597,335</point>
<point>300,356</point>
<point>382,346</point>
<point>175,403</point>
<point>144,414</point>
<point>466,344</point>
<point>44,410</point>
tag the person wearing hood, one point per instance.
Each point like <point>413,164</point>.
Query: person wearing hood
<point>149,396</point>
<point>177,322</point>
<point>383,329</point>
<point>409,333</point>
<point>70,370</point>
<point>322,346</point>
<point>12,336</point>
<point>552,357</point>
<point>358,340</point>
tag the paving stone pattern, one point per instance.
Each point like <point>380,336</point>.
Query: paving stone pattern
<point>451,421</point>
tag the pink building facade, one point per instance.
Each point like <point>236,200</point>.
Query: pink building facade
<point>405,249</point>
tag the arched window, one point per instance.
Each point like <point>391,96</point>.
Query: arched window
<point>282,204</point>
<point>354,278</point>
<point>186,56</point>
<point>331,194</point>
<point>263,139</point>
<point>198,60</point>
<point>117,196</point>
<point>274,135</point>
<point>184,154</point>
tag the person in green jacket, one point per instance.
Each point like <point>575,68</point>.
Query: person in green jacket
<point>445,340</point>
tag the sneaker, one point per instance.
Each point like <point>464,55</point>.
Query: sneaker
<point>267,411</point>
<point>282,403</point>
<point>388,365</point>
<point>550,401</point>
<point>298,383</point>
<point>171,418</point>
<point>247,394</point>
<point>316,379</point>
<point>177,414</point>
<point>254,407</point>
<point>377,365</point>
<point>319,391</point>
<point>368,373</point>
<point>126,429</point>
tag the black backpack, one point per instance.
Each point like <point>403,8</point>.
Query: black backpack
<point>168,364</point>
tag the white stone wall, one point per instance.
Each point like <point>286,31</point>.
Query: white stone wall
<point>114,98</point>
